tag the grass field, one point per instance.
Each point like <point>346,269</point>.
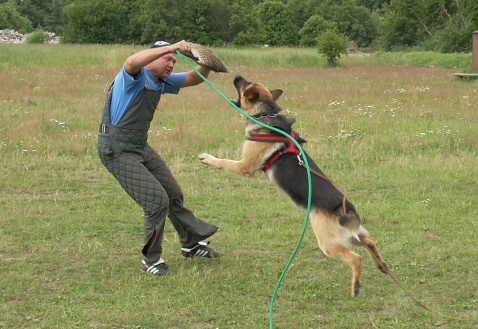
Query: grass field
<point>402,139</point>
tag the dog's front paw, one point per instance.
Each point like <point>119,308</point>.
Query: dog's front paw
<point>206,158</point>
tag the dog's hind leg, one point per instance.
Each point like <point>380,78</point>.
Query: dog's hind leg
<point>334,244</point>
<point>354,260</point>
<point>373,250</point>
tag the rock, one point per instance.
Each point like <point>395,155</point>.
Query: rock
<point>12,36</point>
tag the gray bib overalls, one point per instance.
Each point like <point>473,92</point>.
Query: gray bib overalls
<point>142,173</point>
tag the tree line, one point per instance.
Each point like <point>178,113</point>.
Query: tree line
<point>437,25</point>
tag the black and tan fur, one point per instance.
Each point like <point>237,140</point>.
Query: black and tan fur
<point>335,231</point>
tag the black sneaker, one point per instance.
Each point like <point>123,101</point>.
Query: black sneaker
<point>159,268</point>
<point>200,250</point>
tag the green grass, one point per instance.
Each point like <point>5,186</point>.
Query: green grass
<point>427,58</point>
<point>402,138</point>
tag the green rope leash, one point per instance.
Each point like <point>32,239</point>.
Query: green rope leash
<point>309,199</point>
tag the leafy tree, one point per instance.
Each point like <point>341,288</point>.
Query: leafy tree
<point>10,18</point>
<point>245,26</point>
<point>373,4</point>
<point>95,21</point>
<point>302,10</point>
<point>352,20</point>
<point>147,24</point>
<point>461,26</point>
<point>43,14</point>
<point>332,44</point>
<point>455,35</point>
<point>202,21</point>
<point>219,19</point>
<point>399,26</point>
<point>35,10</point>
<point>279,27</point>
<point>364,28</point>
<point>312,28</point>
<point>193,21</point>
<point>442,24</point>
<point>470,7</point>
<point>55,19</point>
<point>184,26</point>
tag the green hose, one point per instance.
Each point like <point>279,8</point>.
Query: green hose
<point>309,199</point>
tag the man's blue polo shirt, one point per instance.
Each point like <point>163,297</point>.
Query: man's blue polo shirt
<point>127,87</point>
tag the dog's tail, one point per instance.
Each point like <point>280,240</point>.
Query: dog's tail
<point>351,221</point>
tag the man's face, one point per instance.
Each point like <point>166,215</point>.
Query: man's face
<point>164,65</point>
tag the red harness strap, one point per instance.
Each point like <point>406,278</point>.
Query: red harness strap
<point>290,148</point>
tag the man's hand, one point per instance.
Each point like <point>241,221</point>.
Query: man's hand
<point>183,46</point>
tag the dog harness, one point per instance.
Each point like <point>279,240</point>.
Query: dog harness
<point>290,148</point>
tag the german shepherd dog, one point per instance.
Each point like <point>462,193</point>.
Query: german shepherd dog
<point>336,224</point>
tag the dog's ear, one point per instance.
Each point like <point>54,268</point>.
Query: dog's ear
<point>276,93</point>
<point>251,94</point>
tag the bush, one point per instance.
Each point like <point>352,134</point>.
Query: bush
<point>332,44</point>
<point>454,37</point>
<point>38,36</point>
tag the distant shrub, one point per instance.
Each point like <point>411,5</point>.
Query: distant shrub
<point>38,36</point>
<point>331,44</point>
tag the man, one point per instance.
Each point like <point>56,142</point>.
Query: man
<point>123,149</point>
